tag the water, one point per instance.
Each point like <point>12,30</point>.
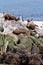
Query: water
<point>32,9</point>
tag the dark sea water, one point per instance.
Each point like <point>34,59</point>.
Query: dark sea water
<point>32,9</point>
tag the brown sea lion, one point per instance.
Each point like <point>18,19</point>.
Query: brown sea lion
<point>18,31</point>
<point>31,25</point>
<point>10,17</point>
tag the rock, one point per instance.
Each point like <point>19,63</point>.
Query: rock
<point>32,32</point>
<point>25,42</point>
<point>37,35</point>
<point>1,29</point>
<point>39,31</point>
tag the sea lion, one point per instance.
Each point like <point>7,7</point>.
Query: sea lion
<point>10,17</point>
<point>23,31</point>
<point>31,25</point>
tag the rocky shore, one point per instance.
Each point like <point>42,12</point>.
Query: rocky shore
<point>21,42</point>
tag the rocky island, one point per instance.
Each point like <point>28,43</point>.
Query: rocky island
<point>21,42</point>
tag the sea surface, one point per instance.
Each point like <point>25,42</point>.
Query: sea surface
<point>32,9</point>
